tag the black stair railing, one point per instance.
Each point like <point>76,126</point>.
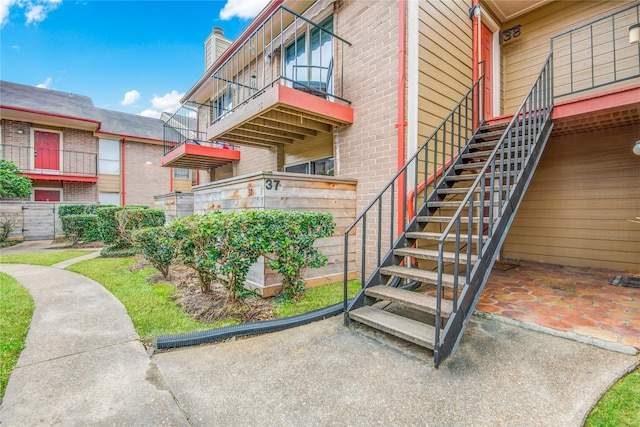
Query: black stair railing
<point>375,228</point>
<point>496,194</point>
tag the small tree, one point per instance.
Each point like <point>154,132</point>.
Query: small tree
<point>12,184</point>
<point>157,245</point>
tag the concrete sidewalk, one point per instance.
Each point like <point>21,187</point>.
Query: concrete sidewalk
<point>84,365</point>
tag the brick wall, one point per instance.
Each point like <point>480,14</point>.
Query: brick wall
<point>142,180</point>
<point>80,151</point>
<point>86,192</point>
<point>367,149</point>
<point>14,144</point>
<point>254,159</point>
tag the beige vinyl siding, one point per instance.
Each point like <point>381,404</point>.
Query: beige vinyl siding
<point>577,208</point>
<point>109,183</point>
<point>444,67</point>
<point>317,148</point>
<point>522,57</point>
<point>445,60</point>
<point>182,185</point>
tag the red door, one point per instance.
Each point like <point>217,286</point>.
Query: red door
<point>47,150</point>
<point>487,59</point>
<point>46,195</point>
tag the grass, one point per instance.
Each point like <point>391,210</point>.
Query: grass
<point>16,308</point>
<point>149,305</point>
<point>43,258</point>
<point>620,405</point>
<point>316,298</point>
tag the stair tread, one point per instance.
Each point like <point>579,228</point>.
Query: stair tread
<point>412,299</point>
<point>401,327</point>
<point>447,219</point>
<point>416,274</point>
<point>455,204</point>
<point>425,235</point>
<point>465,190</point>
<point>426,254</point>
<point>486,153</point>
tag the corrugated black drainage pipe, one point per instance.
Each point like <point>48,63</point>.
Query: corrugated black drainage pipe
<point>255,328</point>
<point>246,329</point>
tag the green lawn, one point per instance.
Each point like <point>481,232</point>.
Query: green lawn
<point>316,298</point>
<point>620,406</point>
<point>16,308</point>
<point>43,258</point>
<point>149,305</point>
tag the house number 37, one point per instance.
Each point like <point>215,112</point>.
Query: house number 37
<point>272,184</point>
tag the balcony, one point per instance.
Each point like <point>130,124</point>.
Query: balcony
<point>597,74</point>
<point>47,164</point>
<point>185,147</point>
<point>283,84</point>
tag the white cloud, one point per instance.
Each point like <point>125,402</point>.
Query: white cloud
<point>151,113</point>
<point>4,10</point>
<point>169,102</point>
<point>244,9</point>
<point>46,84</point>
<point>130,97</point>
<point>35,10</point>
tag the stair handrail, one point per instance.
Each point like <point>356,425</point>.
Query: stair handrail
<point>527,123</point>
<point>472,118</point>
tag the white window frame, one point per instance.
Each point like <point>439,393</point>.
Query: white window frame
<point>117,142</point>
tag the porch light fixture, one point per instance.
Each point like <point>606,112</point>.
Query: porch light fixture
<point>634,33</point>
<point>148,162</point>
<point>20,131</point>
<point>636,148</point>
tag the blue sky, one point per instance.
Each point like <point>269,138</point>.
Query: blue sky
<point>136,56</point>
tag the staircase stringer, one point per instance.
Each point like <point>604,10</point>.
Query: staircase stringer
<point>482,269</point>
<point>525,136</point>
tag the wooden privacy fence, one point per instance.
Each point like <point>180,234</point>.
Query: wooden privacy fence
<point>33,220</point>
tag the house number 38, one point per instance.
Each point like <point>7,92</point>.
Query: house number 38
<point>510,33</point>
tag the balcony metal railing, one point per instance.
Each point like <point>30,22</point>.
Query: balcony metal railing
<point>288,49</point>
<point>51,161</point>
<point>596,54</point>
<point>181,128</point>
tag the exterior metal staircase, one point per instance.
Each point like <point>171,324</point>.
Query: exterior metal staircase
<point>453,201</point>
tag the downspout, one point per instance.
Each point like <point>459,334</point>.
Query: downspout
<point>401,124</point>
<point>475,42</point>
<point>171,187</point>
<point>122,187</point>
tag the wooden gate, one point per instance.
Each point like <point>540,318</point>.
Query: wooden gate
<point>33,220</point>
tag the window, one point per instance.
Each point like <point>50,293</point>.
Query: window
<point>309,59</point>
<point>181,173</point>
<point>109,155</point>
<point>315,167</point>
<point>109,198</point>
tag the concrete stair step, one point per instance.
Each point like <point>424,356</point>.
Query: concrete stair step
<point>416,300</point>
<point>401,327</point>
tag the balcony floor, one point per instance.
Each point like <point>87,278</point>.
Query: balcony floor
<point>280,115</point>
<point>193,156</point>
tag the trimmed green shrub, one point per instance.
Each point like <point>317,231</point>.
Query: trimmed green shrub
<point>114,252</point>
<point>289,239</point>
<point>77,227</point>
<point>223,246</point>
<point>65,210</point>
<point>131,219</point>
<point>107,223</point>
<point>157,245</point>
